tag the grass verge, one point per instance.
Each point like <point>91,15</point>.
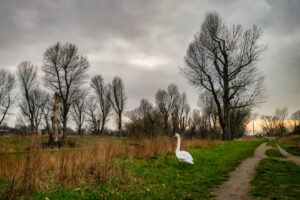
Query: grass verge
<point>276,179</point>
<point>164,178</point>
<point>274,152</point>
<point>291,144</point>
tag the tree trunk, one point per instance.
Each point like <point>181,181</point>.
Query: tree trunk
<point>102,126</point>
<point>64,137</point>
<point>120,125</point>
<point>53,134</point>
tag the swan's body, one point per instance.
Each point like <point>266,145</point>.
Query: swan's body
<point>182,156</point>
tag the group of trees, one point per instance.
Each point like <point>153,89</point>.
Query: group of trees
<point>168,116</point>
<point>64,73</point>
<point>279,124</point>
<point>221,62</point>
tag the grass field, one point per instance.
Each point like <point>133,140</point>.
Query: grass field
<point>291,144</point>
<point>274,152</point>
<point>123,170</point>
<point>276,179</point>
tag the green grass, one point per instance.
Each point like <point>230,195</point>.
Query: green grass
<point>290,148</point>
<point>164,178</point>
<point>272,143</point>
<point>276,179</point>
<point>274,152</point>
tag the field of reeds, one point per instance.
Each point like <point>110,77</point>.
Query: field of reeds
<point>117,168</point>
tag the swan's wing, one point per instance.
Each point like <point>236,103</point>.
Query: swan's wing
<point>187,155</point>
<point>183,155</point>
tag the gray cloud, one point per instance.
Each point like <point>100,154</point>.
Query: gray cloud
<point>144,42</point>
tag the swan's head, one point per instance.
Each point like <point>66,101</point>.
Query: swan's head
<point>176,135</point>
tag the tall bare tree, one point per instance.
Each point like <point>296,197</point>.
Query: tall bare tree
<point>118,100</point>
<point>27,75</point>
<point>79,111</point>
<point>103,93</point>
<point>166,101</point>
<point>65,71</point>
<point>223,61</point>
<point>7,85</point>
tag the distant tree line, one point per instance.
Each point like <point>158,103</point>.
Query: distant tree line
<point>279,124</point>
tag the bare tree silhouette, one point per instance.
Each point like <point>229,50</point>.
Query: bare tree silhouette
<point>223,61</point>
<point>7,85</point>
<point>118,100</point>
<point>65,72</point>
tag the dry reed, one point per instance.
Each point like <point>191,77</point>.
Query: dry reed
<point>42,170</point>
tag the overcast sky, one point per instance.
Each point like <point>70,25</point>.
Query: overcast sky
<point>144,41</point>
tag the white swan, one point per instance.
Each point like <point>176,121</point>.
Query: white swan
<point>182,156</point>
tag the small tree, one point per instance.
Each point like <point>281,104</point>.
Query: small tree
<point>103,93</point>
<point>79,111</point>
<point>27,75</point>
<point>93,115</point>
<point>296,119</point>
<point>118,100</point>
<point>7,85</point>
<point>166,101</point>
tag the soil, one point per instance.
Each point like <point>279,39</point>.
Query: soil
<point>238,184</point>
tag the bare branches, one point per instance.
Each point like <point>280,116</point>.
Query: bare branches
<point>223,62</point>
<point>118,99</point>
<point>28,82</point>
<point>103,93</point>
<point>165,102</point>
<point>65,72</point>
<point>7,85</point>
<point>79,111</point>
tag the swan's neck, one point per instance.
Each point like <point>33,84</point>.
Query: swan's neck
<point>178,144</point>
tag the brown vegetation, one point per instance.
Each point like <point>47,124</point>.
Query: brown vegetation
<point>35,169</point>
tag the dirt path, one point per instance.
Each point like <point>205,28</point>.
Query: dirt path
<point>295,159</point>
<point>238,185</point>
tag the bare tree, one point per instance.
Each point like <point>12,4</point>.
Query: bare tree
<point>281,115</point>
<point>223,61</point>
<point>28,82</point>
<point>296,118</point>
<point>269,124</point>
<point>179,113</point>
<point>64,72</point>
<point>118,100</point>
<point>209,109</point>
<point>47,112</point>
<point>102,91</point>
<point>7,85</point>
<point>93,115</point>
<point>40,100</point>
<point>79,111</point>
<point>143,120</point>
<point>166,101</point>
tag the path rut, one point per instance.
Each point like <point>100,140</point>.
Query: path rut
<point>238,184</point>
<point>295,159</point>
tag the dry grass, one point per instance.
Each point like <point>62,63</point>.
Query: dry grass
<point>294,139</point>
<point>23,174</point>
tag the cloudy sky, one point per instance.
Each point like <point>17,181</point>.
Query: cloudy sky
<point>144,41</point>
